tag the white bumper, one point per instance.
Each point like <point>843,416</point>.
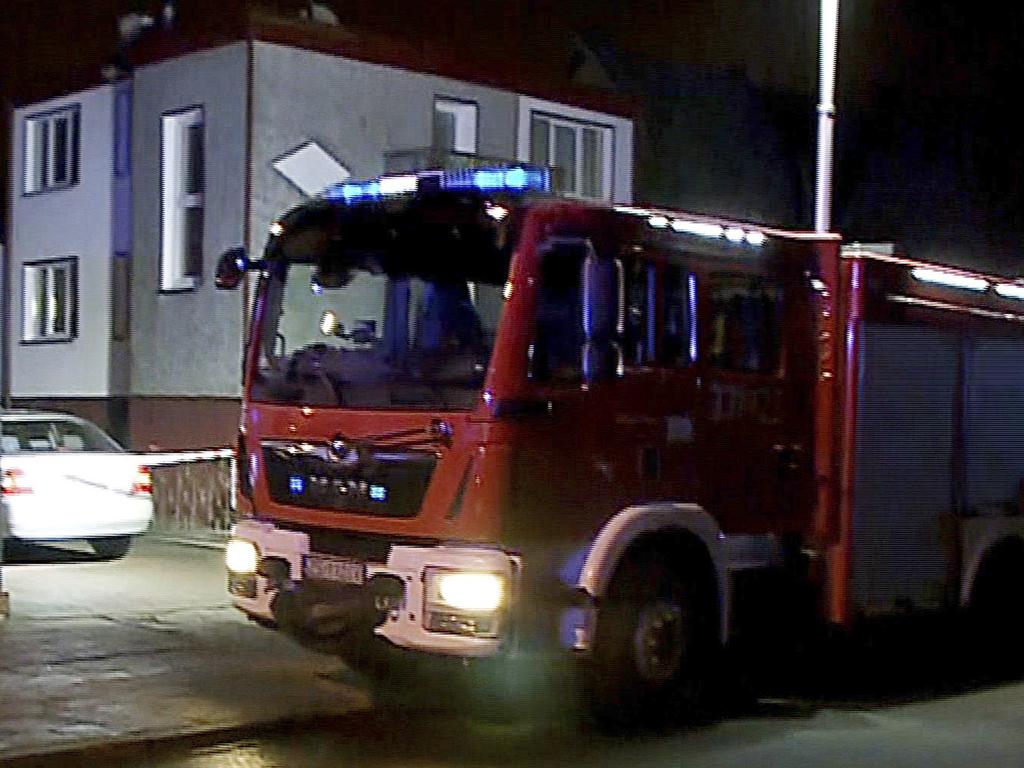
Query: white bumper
<point>403,627</point>
<point>40,519</point>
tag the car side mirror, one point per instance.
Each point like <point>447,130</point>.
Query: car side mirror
<point>231,267</point>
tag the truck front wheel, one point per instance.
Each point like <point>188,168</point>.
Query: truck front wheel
<point>654,644</point>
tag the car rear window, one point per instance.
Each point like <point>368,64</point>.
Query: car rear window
<point>39,436</point>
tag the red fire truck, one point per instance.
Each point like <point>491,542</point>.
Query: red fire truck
<point>482,422</point>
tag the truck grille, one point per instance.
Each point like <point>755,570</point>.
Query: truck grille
<point>382,483</point>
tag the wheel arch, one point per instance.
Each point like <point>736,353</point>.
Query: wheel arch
<point>647,525</point>
<point>999,544</point>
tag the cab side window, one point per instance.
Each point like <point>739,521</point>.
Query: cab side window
<point>555,353</point>
<point>640,329</point>
<point>745,322</point>
<point>678,345</point>
<point>659,323</point>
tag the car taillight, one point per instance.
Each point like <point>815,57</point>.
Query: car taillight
<point>143,483</point>
<point>14,483</point>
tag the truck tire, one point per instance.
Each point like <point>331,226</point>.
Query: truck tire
<point>111,547</point>
<point>654,645</point>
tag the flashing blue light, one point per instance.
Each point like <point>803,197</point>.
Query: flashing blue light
<point>350,193</point>
<point>515,179</point>
<point>518,178</point>
<point>378,493</point>
<point>297,484</point>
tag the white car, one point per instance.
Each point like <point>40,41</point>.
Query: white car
<point>65,479</point>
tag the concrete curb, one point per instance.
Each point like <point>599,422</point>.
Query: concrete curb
<point>141,750</point>
<point>189,541</point>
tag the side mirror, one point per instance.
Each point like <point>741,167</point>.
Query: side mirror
<point>231,266</point>
<point>603,316</point>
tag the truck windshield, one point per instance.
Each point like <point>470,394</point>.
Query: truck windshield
<point>376,338</point>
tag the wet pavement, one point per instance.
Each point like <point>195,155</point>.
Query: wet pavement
<point>142,662</point>
<point>97,654</point>
<point>981,729</point>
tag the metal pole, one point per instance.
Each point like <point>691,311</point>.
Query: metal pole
<point>826,114</point>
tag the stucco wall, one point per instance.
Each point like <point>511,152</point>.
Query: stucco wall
<point>189,343</point>
<point>75,221</point>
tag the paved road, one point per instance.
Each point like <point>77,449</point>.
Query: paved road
<point>984,729</point>
<point>148,646</point>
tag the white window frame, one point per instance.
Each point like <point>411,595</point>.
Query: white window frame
<point>606,134</point>
<point>466,115</point>
<point>40,171</point>
<point>176,199</point>
<point>40,322</point>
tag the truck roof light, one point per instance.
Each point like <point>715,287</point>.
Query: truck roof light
<point>520,178</point>
<point>631,210</point>
<point>949,279</point>
<point>660,220</point>
<point>354,191</point>
<point>398,185</point>
<point>1010,290</point>
<point>517,178</point>
<point>697,228</point>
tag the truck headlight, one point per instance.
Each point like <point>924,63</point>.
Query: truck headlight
<point>466,603</point>
<point>469,591</point>
<point>241,556</point>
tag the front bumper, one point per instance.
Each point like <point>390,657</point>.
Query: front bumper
<point>288,598</point>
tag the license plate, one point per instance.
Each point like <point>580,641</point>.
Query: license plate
<point>335,569</point>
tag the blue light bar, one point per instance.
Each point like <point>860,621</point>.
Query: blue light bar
<point>519,178</point>
<point>516,179</point>
<point>351,192</point>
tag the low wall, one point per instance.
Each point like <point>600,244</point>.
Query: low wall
<point>192,493</point>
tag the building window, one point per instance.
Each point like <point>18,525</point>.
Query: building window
<point>455,125</point>
<point>183,183</point>
<point>579,153</point>
<point>50,300</point>
<point>51,150</point>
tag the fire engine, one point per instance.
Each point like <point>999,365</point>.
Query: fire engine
<point>480,421</point>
